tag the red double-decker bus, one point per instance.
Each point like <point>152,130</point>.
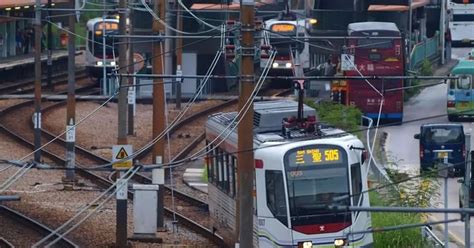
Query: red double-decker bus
<point>378,50</point>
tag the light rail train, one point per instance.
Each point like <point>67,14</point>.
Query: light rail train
<point>279,35</point>
<point>95,61</point>
<point>298,174</point>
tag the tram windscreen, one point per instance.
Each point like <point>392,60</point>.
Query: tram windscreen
<point>111,48</point>
<point>316,175</point>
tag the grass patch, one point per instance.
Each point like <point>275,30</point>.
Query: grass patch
<point>426,69</point>
<point>400,238</point>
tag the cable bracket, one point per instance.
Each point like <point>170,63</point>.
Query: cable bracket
<point>248,51</point>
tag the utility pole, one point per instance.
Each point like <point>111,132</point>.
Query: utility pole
<point>50,49</point>
<point>467,196</point>
<point>245,157</point>
<point>168,44</point>
<point>179,56</point>
<point>121,231</point>
<point>131,70</point>
<point>410,17</point>
<point>158,175</point>
<point>71,103</point>
<point>442,30</point>
<point>37,114</point>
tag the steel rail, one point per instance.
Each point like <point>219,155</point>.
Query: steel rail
<point>105,183</point>
<point>31,224</point>
<point>58,79</point>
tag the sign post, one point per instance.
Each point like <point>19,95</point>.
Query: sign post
<point>347,62</point>
<point>120,163</point>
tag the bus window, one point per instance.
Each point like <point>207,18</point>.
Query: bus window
<point>452,84</point>
<point>375,56</point>
<point>464,83</point>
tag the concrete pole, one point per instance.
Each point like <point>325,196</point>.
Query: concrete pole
<point>467,188</point>
<point>168,44</point>
<point>37,114</point>
<point>245,157</point>
<point>442,30</point>
<point>158,151</point>
<point>410,20</point>
<point>71,101</point>
<point>121,230</point>
<point>131,70</point>
<point>104,68</point>
<point>50,49</point>
<point>179,56</point>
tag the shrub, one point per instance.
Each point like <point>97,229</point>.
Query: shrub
<point>341,116</point>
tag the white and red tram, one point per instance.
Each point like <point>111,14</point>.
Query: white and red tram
<point>297,176</point>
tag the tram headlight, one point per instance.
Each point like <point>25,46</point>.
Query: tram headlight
<point>100,63</point>
<point>339,242</point>
<point>288,65</point>
<point>305,244</point>
<point>112,63</point>
<point>275,65</point>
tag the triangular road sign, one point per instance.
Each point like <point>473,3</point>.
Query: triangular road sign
<point>121,154</point>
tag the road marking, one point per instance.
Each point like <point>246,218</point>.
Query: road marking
<point>454,237</point>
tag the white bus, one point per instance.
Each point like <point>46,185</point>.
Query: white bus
<point>462,22</point>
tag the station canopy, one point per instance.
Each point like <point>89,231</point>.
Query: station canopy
<point>21,3</point>
<point>396,5</point>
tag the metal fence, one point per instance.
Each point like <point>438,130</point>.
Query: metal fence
<point>428,49</point>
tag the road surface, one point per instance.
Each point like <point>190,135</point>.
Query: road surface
<point>428,107</point>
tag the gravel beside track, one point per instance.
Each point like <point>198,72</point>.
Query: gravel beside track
<point>44,199</point>
<point>99,133</point>
<point>16,234</point>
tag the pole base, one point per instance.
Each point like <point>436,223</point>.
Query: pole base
<point>146,238</point>
<point>161,229</point>
<point>68,184</point>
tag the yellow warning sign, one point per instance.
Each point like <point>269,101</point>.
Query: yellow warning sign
<point>119,153</point>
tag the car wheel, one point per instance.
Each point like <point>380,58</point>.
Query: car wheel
<point>452,118</point>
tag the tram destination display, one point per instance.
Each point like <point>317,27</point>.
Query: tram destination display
<point>311,156</point>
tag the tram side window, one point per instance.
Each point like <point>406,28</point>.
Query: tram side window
<point>209,162</point>
<point>275,195</point>
<point>226,172</point>
<point>231,176</point>
<point>356,183</point>
<point>219,167</point>
<point>234,175</point>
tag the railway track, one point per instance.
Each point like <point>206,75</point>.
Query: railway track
<point>84,157</point>
<point>5,244</point>
<point>193,206</point>
<point>29,223</point>
<point>27,86</point>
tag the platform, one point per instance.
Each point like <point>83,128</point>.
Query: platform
<point>22,66</point>
<point>26,59</point>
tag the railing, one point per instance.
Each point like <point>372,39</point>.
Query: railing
<point>428,49</point>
